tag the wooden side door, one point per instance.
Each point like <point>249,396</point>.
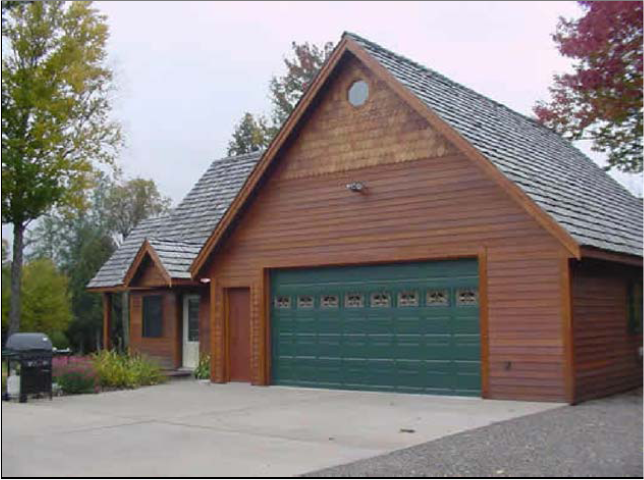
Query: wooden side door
<point>238,300</point>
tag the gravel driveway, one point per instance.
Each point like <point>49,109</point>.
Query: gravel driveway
<point>602,438</point>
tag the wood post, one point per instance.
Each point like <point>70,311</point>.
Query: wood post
<point>107,320</point>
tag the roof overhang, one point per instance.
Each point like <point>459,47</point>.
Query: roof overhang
<point>624,258</point>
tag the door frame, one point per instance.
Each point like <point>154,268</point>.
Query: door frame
<point>225,288</point>
<point>480,254</point>
<point>184,325</point>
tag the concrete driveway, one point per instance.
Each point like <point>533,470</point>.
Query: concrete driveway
<point>188,428</point>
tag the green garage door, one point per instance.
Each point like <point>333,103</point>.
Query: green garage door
<point>404,327</point>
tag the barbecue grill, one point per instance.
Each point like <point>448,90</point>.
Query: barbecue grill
<point>33,352</point>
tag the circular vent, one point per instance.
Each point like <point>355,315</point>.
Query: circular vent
<point>358,93</point>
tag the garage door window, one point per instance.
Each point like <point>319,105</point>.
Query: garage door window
<point>304,301</point>
<point>380,300</point>
<point>282,302</point>
<point>408,299</point>
<point>437,298</point>
<point>353,300</point>
<point>329,301</point>
<point>467,297</point>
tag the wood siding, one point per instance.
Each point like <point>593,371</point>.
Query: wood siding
<point>162,349</point>
<point>167,349</point>
<point>423,201</point>
<point>148,275</point>
<point>606,355</point>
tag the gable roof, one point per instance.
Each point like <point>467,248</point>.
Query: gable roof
<point>178,237</point>
<point>564,190</point>
<point>594,208</point>
<point>560,187</point>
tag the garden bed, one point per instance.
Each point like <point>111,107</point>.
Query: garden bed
<point>104,371</point>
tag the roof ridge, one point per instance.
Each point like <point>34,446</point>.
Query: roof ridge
<point>241,156</point>
<point>443,77</point>
<point>177,242</point>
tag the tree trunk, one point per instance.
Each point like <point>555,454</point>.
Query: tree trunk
<point>16,277</point>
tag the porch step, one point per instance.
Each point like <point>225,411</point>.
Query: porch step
<point>178,373</point>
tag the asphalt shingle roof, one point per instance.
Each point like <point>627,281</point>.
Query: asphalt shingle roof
<point>594,208</point>
<point>178,237</point>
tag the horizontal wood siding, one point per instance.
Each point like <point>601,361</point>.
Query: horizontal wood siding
<point>606,355</point>
<point>164,350</point>
<point>148,275</point>
<point>422,201</point>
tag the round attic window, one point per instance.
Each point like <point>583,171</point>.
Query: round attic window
<point>358,93</point>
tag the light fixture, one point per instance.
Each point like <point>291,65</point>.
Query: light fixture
<point>355,186</point>
<point>205,280</point>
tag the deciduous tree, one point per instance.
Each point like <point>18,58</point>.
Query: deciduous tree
<point>55,115</point>
<point>130,201</point>
<point>301,69</point>
<point>602,99</point>
<point>46,302</point>
<point>255,133</point>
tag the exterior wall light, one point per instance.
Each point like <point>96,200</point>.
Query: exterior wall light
<point>355,186</point>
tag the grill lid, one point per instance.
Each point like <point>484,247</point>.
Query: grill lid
<point>23,342</point>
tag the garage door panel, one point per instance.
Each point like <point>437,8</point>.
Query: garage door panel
<point>408,327</point>
<point>436,326</point>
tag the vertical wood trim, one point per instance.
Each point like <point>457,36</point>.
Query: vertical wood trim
<point>483,322</point>
<point>226,336</point>
<point>107,320</point>
<point>178,324</point>
<point>567,329</point>
<point>265,321</point>
<point>215,349</point>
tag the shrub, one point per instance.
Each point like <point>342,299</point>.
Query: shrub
<point>75,375</point>
<point>203,368</point>
<point>117,370</point>
<point>59,340</point>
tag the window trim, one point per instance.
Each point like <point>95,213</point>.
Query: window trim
<point>633,306</point>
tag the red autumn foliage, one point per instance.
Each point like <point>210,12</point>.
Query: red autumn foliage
<point>603,99</point>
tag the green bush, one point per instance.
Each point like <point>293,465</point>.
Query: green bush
<point>115,370</point>
<point>202,371</point>
<point>59,340</point>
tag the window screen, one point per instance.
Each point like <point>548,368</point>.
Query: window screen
<point>152,316</point>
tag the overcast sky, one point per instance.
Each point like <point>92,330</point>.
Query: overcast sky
<point>187,71</point>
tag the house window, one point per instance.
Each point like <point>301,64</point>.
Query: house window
<point>152,316</point>
<point>380,300</point>
<point>635,308</point>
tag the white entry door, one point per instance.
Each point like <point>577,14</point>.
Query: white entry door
<point>190,331</point>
